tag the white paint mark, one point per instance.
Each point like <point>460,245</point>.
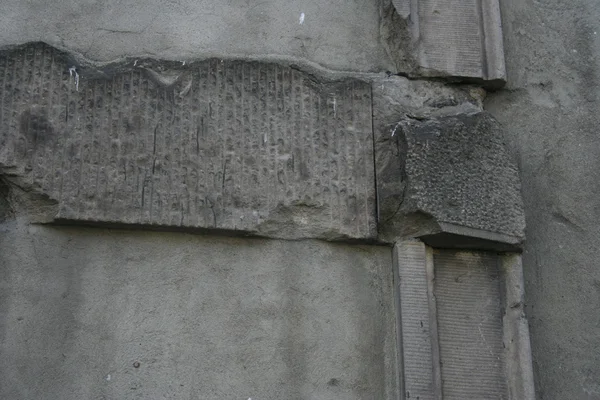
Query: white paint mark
<point>108,377</point>
<point>396,127</point>
<point>186,89</point>
<point>265,138</point>
<point>574,51</point>
<point>183,62</point>
<point>334,107</point>
<point>72,71</point>
<point>301,18</point>
<point>135,63</point>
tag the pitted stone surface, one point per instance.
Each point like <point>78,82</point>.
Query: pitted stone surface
<point>458,170</point>
<point>443,167</point>
<point>231,145</point>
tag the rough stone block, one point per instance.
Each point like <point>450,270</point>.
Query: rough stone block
<point>229,145</point>
<point>444,174</point>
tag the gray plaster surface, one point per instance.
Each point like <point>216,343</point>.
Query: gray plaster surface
<point>111,314</point>
<point>338,34</point>
<point>550,111</point>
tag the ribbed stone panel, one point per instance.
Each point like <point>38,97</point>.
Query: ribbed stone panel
<point>414,315</point>
<point>457,38</point>
<point>470,329</point>
<point>231,145</point>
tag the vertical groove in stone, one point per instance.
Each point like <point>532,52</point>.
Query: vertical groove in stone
<point>49,100</point>
<point>3,129</point>
<point>470,326</point>
<point>414,320</point>
<point>227,144</point>
<point>461,38</point>
<point>452,36</point>
<point>37,84</point>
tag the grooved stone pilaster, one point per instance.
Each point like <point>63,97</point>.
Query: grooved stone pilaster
<point>417,335</point>
<point>453,38</point>
<point>461,38</point>
<point>468,293</point>
<point>231,145</point>
<point>462,330</point>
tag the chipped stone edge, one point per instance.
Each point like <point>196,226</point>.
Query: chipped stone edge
<point>492,63</point>
<point>493,40</point>
<point>517,345</point>
<point>324,73</point>
<point>37,207</point>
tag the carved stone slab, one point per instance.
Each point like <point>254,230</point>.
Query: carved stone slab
<point>461,37</point>
<point>453,38</point>
<point>232,145</point>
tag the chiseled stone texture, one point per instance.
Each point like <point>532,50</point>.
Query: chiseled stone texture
<point>229,145</point>
<point>456,39</point>
<point>443,167</point>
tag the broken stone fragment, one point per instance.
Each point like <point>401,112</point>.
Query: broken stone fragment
<point>446,176</point>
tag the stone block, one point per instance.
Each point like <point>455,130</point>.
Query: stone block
<point>444,174</point>
<point>458,38</point>
<point>229,145</point>
<point>462,329</point>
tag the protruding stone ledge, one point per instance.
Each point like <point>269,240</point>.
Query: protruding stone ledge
<point>444,175</point>
<point>227,145</point>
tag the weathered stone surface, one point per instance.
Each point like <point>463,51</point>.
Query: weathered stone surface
<point>418,343</point>
<point>458,38</point>
<point>444,169</point>
<point>229,145</point>
<point>469,296</point>
<point>462,330</point>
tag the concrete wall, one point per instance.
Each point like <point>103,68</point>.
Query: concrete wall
<point>205,317</point>
<point>550,112</point>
